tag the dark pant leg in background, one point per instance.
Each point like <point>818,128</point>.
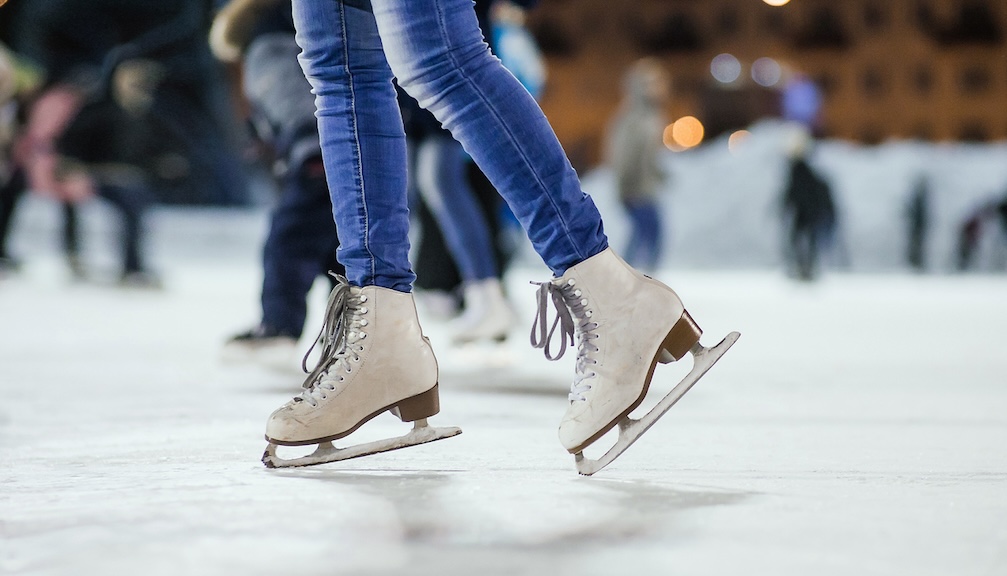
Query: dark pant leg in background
<point>301,245</point>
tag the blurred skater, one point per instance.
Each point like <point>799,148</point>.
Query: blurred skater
<point>634,152</point>
<point>301,243</point>
<point>810,212</point>
<point>918,214</point>
<point>188,115</point>
<point>15,85</point>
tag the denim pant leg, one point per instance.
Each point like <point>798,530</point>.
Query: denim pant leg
<point>363,142</point>
<point>644,250</point>
<point>297,250</point>
<point>442,180</point>
<point>439,57</point>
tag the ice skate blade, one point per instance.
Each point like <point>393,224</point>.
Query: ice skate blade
<point>630,429</point>
<point>326,452</point>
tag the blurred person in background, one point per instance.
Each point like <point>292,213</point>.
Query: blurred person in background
<point>634,151</point>
<point>16,83</point>
<point>187,113</point>
<point>132,111</point>
<point>809,210</point>
<point>918,215</point>
<point>970,232</point>
<point>301,243</point>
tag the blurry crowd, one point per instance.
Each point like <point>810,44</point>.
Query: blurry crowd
<point>119,100</point>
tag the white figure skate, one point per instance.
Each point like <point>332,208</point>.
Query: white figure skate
<point>374,358</point>
<point>487,315</point>
<point>625,323</point>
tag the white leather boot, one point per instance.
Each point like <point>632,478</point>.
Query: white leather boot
<point>624,323</point>
<point>374,358</point>
<point>487,314</point>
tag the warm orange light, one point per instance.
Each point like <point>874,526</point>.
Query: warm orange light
<point>687,132</point>
<point>737,140</point>
<point>776,2</point>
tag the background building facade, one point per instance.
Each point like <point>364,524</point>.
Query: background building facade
<point>898,69</point>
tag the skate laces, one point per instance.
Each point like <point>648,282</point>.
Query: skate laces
<point>572,318</point>
<point>339,338</point>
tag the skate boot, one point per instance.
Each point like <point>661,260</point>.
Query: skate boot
<point>263,345</point>
<point>374,358</point>
<point>624,323</point>
<point>487,314</point>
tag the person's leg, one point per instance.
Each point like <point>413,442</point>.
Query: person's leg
<point>10,194</point>
<point>652,235</point>
<point>132,202</point>
<point>374,356</point>
<point>439,57</point>
<point>301,233</point>
<point>362,138</point>
<point>71,239</point>
<point>442,181</point>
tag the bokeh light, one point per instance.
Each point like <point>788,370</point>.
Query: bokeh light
<point>686,132</point>
<point>737,140</point>
<point>766,72</point>
<point>725,68</point>
<point>776,2</point>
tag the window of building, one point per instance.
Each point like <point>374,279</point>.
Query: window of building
<point>923,131</point>
<point>923,79</point>
<point>925,19</point>
<point>875,15</point>
<point>871,134</point>
<point>824,30</point>
<point>774,23</point>
<point>826,82</point>
<point>974,80</point>
<point>677,32</point>
<point>973,131</point>
<point>872,82</point>
<point>728,21</point>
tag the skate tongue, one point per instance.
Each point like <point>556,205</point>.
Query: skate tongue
<point>564,320</point>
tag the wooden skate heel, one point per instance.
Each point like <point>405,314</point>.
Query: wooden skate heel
<point>418,407</point>
<point>683,336</point>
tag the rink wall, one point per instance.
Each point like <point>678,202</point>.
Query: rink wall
<point>722,207</point>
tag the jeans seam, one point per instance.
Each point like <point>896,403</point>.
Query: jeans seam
<point>506,128</point>
<point>356,141</point>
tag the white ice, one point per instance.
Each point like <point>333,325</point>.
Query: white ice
<point>858,427</point>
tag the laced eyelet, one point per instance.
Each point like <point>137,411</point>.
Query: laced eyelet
<point>577,293</point>
<point>363,310</point>
<point>571,282</point>
<point>363,321</point>
<point>363,298</point>
<point>362,336</point>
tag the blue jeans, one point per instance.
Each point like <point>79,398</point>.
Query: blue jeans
<point>644,249</point>
<point>442,180</point>
<point>437,53</point>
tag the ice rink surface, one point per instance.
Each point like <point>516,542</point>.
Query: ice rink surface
<point>858,427</point>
